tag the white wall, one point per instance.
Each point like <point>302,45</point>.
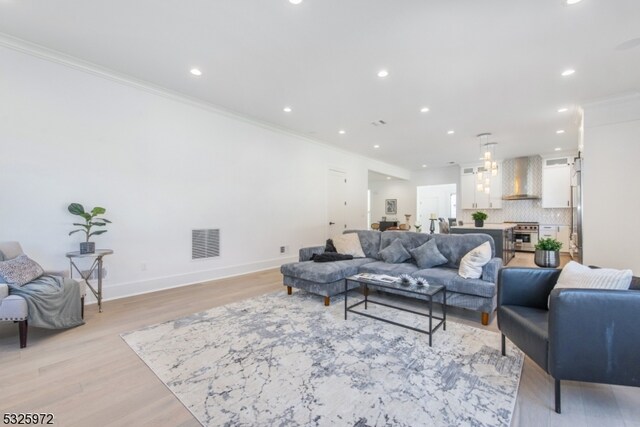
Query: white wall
<point>611,190</point>
<point>161,166</point>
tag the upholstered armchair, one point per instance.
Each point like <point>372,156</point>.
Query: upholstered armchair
<point>13,307</point>
<point>589,335</point>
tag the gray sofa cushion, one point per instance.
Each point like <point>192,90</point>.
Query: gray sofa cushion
<point>450,278</point>
<point>369,240</point>
<point>395,253</point>
<point>428,255</point>
<point>323,272</point>
<point>381,267</point>
<point>408,239</point>
<point>455,246</point>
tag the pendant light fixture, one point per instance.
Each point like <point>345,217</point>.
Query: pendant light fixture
<point>490,165</point>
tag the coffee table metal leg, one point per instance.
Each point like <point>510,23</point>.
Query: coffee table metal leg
<point>430,318</point>
<point>444,310</point>
<point>345,299</point>
<point>366,295</point>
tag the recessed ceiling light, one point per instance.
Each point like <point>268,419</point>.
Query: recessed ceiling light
<point>196,72</point>
<point>557,149</point>
<point>424,166</point>
<point>342,132</point>
<point>287,109</point>
<point>451,132</point>
<point>568,72</point>
<point>388,177</point>
<point>560,131</point>
<point>424,110</point>
<point>376,146</point>
<point>570,2</point>
<point>383,73</point>
<point>563,110</point>
<point>295,1</point>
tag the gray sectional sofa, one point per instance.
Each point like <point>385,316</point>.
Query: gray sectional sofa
<point>328,279</point>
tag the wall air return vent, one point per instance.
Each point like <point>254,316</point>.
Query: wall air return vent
<point>205,243</point>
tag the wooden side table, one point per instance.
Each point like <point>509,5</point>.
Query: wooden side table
<point>97,263</point>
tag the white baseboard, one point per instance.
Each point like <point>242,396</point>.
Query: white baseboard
<point>129,289</point>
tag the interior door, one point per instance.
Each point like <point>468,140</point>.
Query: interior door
<point>336,203</point>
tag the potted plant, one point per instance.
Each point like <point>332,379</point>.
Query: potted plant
<point>91,220</point>
<point>548,253</point>
<point>479,218</point>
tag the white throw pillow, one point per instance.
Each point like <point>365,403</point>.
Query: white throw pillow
<point>576,275</point>
<point>472,263</point>
<point>349,244</point>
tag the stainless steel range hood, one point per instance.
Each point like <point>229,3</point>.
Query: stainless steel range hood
<point>518,178</point>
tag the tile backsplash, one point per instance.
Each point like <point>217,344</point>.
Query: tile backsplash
<point>523,210</point>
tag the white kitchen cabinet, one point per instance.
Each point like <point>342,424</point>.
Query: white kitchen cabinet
<point>547,232</point>
<point>563,235</point>
<point>474,199</point>
<point>558,232</point>
<point>556,183</point>
<point>468,188</point>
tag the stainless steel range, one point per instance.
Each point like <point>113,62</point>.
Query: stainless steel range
<point>525,235</point>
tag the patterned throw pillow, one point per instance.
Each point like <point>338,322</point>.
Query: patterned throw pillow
<point>349,244</point>
<point>20,270</point>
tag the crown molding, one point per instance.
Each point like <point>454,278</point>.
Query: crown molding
<point>75,63</point>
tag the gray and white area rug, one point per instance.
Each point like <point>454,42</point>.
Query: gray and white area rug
<point>280,360</point>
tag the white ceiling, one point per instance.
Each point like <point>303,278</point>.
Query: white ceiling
<point>479,65</point>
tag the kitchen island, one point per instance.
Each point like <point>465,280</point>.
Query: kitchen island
<point>502,234</point>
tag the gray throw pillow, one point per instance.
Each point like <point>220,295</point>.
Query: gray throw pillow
<point>20,270</point>
<point>428,255</point>
<point>395,253</point>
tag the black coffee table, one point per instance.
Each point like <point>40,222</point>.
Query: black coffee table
<point>428,290</point>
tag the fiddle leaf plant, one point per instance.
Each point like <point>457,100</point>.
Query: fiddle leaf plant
<point>91,220</point>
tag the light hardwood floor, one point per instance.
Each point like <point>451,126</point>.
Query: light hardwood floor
<point>88,376</point>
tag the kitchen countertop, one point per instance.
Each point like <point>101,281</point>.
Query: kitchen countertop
<point>487,226</point>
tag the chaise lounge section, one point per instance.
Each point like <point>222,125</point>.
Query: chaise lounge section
<point>328,279</point>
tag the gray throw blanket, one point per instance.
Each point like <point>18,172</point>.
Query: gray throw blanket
<point>53,302</point>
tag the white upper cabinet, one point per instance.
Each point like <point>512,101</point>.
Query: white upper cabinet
<point>472,198</point>
<point>556,183</point>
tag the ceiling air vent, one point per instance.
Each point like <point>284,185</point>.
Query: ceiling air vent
<point>205,243</point>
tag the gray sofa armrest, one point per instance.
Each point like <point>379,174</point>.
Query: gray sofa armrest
<point>528,287</point>
<point>593,335</point>
<point>306,253</point>
<point>491,269</point>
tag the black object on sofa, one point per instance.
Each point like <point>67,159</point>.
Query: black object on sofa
<point>586,335</point>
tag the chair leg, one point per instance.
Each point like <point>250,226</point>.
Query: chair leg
<point>504,353</point>
<point>485,319</point>
<point>327,301</point>
<point>558,409</point>
<point>22,328</point>
<point>82,307</point>
<point>289,290</point>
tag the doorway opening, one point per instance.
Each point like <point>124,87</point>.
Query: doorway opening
<point>438,200</point>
